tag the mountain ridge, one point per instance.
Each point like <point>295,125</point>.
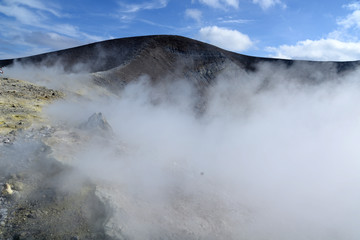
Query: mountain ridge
<point>119,61</point>
<point>136,41</point>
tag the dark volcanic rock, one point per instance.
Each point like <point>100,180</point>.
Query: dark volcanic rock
<point>119,61</point>
<point>96,122</point>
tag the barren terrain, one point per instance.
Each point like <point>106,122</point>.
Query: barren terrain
<point>35,206</point>
<point>164,137</point>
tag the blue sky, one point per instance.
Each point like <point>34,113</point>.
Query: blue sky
<point>316,30</point>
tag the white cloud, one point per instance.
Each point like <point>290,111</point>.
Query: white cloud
<point>236,21</point>
<point>353,6</point>
<point>341,44</point>
<point>323,49</point>
<point>132,8</point>
<point>21,14</point>
<point>194,14</point>
<point>32,14</point>
<point>225,38</point>
<point>35,4</point>
<point>28,12</point>
<point>265,4</point>
<point>26,24</point>
<point>221,3</point>
<point>67,29</point>
<point>51,40</point>
<point>353,19</point>
<point>95,38</point>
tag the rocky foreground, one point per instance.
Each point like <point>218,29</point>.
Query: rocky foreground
<point>21,103</point>
<point>35,201</point>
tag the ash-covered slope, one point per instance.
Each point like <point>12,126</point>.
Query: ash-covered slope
<point>119,61</point>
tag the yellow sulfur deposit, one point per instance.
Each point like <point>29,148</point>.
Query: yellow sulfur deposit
<point>21,103</point>
<point>7,189</point>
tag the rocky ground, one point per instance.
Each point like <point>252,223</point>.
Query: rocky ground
<point>36,202</point>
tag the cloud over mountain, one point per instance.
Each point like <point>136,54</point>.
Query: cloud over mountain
<point>225,38</point>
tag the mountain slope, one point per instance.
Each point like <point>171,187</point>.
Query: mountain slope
<point>119,61</point>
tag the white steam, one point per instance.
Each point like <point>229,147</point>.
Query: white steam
<point>274,156</point>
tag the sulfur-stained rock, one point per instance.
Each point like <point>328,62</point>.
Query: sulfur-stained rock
<point>7,190</point>
<point>21,103</point>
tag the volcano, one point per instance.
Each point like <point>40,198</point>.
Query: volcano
<point>119,61</point>
<point>166,137</point>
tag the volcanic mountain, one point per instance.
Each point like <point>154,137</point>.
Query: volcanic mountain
<point>270,152</point>
<point>118,61</point>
